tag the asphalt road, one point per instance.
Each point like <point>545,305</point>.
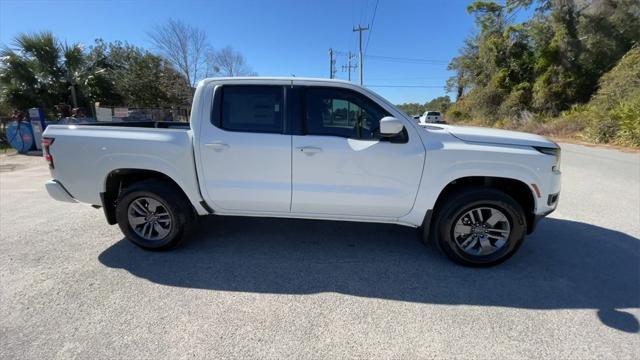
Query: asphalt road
<point>246,288</point>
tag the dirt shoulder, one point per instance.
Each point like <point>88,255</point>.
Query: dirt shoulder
<point>584,143</point>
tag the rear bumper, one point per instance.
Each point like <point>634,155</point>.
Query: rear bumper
<point>58,192</point>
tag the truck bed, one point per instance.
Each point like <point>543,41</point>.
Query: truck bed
<point>145,124</point>
<point>84,155</point>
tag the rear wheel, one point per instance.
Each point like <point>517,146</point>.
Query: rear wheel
<point>479,227</point>
<point>154,215</point>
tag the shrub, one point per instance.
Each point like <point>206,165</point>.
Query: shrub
<point>601,131</point>
<point>627,117</point>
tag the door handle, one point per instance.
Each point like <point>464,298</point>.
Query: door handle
<point>217,146</point>
<point>309,150</point>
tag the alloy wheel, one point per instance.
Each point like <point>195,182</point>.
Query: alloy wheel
<point>482,231</point>
<point>149,218</point>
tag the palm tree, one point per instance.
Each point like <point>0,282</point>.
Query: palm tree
<point>29,74</point>
<point>42,71</point>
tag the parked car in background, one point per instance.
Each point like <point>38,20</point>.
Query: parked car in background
<point>314,149</point>
<point>431,117</point>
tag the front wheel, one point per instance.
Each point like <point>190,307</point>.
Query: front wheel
<point>152,215</point>
<point>480,227</point>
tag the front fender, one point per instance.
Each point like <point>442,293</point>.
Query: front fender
<point>460,160</point>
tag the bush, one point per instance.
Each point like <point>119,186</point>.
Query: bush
<point>458,112</point>
<point>615,109</point>
<point>619,125</point>
<point>627,117</point>
<point>565,127</point>
<point>601,131</point>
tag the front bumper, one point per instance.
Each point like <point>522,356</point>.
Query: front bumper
<point>58,192</point>
<point>536,219</point>
<point>549,193</point>
<point>547,201</point>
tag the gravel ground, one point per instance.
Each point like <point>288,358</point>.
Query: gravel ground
<point>72,287</point>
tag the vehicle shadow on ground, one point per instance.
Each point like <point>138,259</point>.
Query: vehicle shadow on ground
<point>563,265</point>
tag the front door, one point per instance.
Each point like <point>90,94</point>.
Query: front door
<point>342,166</point>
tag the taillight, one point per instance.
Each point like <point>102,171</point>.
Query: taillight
<point>46,143</point>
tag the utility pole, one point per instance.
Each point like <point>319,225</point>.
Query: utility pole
<point>349,66</point>
<point>331,64</point>
<point>360,29</point>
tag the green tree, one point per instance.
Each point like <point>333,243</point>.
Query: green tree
<point>140,79</point>
<point>411,109</point>
<point>441,103</point>
<point>607,30</point>
<point>614,110</point>
<point>558,71</point>
<point>465,66</point>
<point>484,68</point>
<point>41,71</point>
<point>545,64</point>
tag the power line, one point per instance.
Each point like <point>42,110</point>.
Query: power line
<point>408,60</point>
<point>373,20</point>
<point>412,78</point>
<point>349,66</point>
<point>363,13</point>
<point>398,59</point>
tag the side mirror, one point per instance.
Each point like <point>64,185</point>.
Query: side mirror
<point>390,126</point>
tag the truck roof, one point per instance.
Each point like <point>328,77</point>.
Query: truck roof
<point>274,78</point>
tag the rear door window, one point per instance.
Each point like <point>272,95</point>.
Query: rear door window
<point>252,108</point>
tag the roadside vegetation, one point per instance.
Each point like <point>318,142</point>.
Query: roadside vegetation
<point>39,70</point>
<point>612,116</point>
<point>441,103</point>
<point>570,70</point>
<point>42,71</point>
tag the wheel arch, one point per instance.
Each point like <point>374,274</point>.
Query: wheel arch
<point>517,189</point>
<point>119,179</point>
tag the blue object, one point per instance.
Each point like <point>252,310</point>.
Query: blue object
<point>20,137</point>
<point>36,118</point>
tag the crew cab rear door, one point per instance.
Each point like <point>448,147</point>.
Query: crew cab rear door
<point>245,151</point>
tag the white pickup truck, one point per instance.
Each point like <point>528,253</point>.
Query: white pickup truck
<point>313,149</point>
<point>430,117</point>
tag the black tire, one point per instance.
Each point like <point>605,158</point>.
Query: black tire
<point>459,203</point>
<point>176,204</point>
